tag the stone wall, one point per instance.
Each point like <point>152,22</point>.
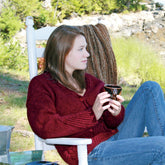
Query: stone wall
<point>124,24</point>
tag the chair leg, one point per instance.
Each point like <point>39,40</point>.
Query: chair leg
<point>82,154</point>
<point>8,158</point>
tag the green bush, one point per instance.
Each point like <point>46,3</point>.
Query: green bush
<point>65,8</point>
<point>12,56</point>
<point>130,5</point>
<point>42,16</point>
<point>137,62</point>
<point>9,23</point>
<point>2,52</point>
<point>25,8</point>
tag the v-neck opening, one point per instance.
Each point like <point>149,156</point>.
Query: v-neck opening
<point>69,90</point>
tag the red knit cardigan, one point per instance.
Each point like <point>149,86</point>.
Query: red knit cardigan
<point>56,111</point>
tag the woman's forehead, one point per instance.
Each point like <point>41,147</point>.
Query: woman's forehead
<point>80,41</point>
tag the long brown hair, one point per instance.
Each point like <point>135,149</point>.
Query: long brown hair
<point>57,48</point>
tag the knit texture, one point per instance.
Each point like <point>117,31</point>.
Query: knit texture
<point>55,111</point>
<point>102,62</point>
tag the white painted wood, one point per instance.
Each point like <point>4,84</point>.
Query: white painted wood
<point>82,156</point>
<point>44,33</point>
<point>81,146</point>
<point>40,52</point>
<point>69,141</point>
<point>31,47</point>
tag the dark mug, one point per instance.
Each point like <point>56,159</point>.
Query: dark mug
<point>113,90</point>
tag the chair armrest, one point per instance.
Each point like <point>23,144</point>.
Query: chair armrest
<point>81,146</point>
<point>68,141</point>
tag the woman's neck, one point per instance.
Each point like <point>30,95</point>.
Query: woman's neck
<point>76,86</point>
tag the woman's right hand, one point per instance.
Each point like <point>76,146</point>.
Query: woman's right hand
<point>98,106</point>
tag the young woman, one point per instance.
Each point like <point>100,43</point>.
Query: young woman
<point>64,101</point>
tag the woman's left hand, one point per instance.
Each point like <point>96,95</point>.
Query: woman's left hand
<point>115,105</point>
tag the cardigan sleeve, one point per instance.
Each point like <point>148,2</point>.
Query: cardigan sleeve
<point>113,121</point>
<point>44,119</point>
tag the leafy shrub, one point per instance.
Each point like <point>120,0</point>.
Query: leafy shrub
<point>64,9</point>
<point>2,52</point>
<point>35,8</point>
<point>130,5</point>
<point>12,56</point>
<point>25,8</point>
<point>9,23</point>
<point>39,21</point>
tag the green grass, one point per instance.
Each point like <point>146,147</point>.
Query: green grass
<point>137,61</point>
<point>13,91</point>
<point>127,93</point>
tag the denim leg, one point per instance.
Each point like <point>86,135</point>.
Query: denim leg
<point>133,151</point>
<point>147,108</point>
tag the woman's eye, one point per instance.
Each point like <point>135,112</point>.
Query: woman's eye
<point>80,49</point>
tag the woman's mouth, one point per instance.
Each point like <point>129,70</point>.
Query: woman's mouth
<point>84,61</point>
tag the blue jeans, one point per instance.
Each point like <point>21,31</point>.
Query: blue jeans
<point>128,147</point>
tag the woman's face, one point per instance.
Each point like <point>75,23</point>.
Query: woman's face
<point>77,57</point>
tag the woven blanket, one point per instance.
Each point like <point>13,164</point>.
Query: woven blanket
<point>102,62</point>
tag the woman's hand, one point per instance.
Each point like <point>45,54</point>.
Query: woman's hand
<point>98,106</point>
<point>115,105</point>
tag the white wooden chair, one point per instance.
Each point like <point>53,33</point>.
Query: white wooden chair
<point>32,36</point>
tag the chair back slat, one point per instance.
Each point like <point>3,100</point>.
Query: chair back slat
<point>33,37</point>
<point>44,33</point>
<point>40,52</point>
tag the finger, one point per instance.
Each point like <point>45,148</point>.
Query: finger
<point>106,107</point>
<point>117,103</point>
<point>111,111</point>
<point>120,98</point>
<point>103,95</point>
<point>104,101</point>
<point>115,107</point>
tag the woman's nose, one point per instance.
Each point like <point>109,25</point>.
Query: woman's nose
<point>87,54</point>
